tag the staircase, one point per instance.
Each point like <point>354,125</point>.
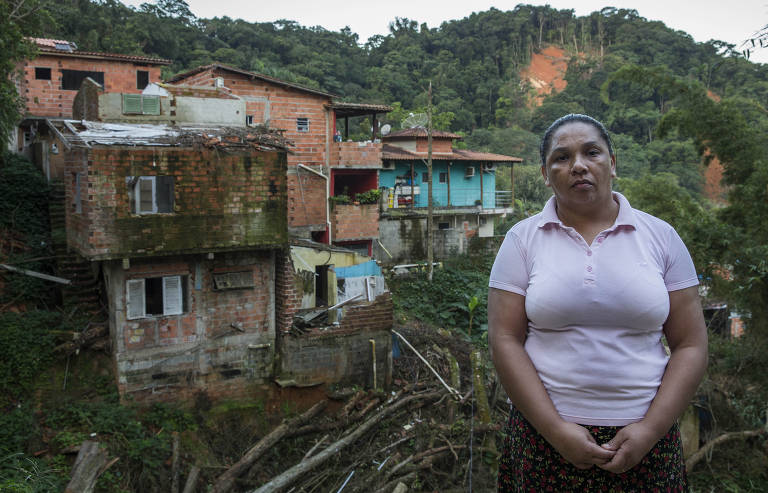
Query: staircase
<point>83,296</point>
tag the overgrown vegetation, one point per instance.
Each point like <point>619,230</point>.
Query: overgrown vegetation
<point>668,102</point>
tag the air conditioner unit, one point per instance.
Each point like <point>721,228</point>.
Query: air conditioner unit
<point>470,172</point>
<point>489,166</point>
<point>388,165</point>
<point>218,82</point>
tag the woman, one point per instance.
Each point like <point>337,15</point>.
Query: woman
<point>580,295</point>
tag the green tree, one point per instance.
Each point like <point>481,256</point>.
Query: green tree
<point>18,18</point>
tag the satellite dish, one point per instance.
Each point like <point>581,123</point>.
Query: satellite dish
<point>415,120</point>
<point>385,129</point>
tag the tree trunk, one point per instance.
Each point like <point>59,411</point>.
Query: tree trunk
<point>88,466</point>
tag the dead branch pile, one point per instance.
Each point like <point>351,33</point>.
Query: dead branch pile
<point>419,432</point>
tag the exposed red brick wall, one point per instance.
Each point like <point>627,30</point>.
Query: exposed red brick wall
<point>376,315</point>
<point>247,308</point>
<point>356,154</point>
<point>287,295</point>
<point>306,199</point>
<point>221,201</point>
<point>438,145</point>
<point>282,106</point>
<point>355,222</point>
<point>47,98</point>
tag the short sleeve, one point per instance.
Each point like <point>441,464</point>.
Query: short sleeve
<point>679,271</point>
<point>510,271</point>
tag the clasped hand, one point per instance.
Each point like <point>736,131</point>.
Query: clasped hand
<point>621,453</point>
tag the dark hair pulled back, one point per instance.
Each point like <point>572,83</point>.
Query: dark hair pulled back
<point>546,141</point>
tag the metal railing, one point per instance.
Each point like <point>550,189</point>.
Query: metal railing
<point>505,198</point>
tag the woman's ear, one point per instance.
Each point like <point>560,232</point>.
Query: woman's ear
<point>544,174</point>
<point>613,166</point>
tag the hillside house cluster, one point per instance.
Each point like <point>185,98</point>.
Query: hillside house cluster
<point>205,206</point>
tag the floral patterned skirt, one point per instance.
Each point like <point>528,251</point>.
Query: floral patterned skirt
<point>530,464</point>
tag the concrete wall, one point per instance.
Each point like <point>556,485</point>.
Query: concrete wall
<point>405,237</point>
<point>343,355</point>
<point>221,201</point>
<point>222,335</point>
<point>47,98</point>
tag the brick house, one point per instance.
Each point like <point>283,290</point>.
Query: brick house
<point>50,81</point>
<point>465,198</point>
<point>323,162</point>
<point>185,223</point>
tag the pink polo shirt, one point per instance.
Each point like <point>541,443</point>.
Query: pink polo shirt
<point>595,312</point>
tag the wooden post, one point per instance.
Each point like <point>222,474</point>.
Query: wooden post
<point>512,183</point>
<point>481,185</point>
<point>346,128</point>
<point>448,181</point>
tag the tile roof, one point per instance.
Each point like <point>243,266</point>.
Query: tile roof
<point>55,46</point>
<point>179,77</point>
<point>358,109</point>
<point>421,132</point>
<point>394,153</point>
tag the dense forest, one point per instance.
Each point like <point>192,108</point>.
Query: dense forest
<point>672,106</point>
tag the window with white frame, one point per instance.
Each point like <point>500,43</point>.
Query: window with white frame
<point>302,124</point>
<point>155,296</point>
<point>151,194</point>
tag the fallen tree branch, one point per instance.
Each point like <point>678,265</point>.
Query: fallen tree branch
<point>725,437</point>
<point>455,393</point>
<point>88,465</point>
<point>225,482</point>
<point>292,474</point>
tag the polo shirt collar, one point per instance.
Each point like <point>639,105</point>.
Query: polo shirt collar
<point>626,216</point>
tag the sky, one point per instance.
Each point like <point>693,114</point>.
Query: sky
<point>731,21</point>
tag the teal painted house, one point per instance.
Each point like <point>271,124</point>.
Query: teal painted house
<point>465,198</point>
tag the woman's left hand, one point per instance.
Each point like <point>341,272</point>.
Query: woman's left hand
<point>631,444</point>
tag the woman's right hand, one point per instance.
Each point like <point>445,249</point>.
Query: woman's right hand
<point>578,447</point>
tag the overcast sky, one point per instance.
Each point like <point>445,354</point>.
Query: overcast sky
<point>732,21</point>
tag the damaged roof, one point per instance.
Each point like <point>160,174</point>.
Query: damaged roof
<point>395,153</point>
<point>69,49</point>
<point>86,134</point>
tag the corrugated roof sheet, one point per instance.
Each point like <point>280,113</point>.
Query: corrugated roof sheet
<point>394,153</point>
<point>88,133</point>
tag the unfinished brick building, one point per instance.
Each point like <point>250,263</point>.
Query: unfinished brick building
<point>186,224</point>
<point>322,163</point>
<point>50,81</point>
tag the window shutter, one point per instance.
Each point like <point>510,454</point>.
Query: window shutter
<point>164,193</point>
<point>145,195</point>
<point>132,104</point>
<point>135,299</point>
<point>172,299</point>
<point>150,105</point>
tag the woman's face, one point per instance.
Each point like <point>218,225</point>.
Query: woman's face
<point>578,166</point>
